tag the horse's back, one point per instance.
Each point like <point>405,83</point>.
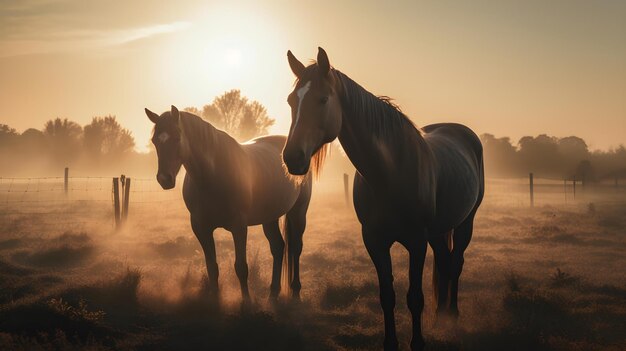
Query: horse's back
<point>274,191</point>
<point>457,151</point>
<point>455,132</point>
<point>275,141</point>
<point>265,154</point>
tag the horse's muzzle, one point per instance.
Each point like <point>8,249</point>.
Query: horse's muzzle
<point>167,181</point>
<point>296,161</point>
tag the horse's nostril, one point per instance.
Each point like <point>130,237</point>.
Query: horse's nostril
<point>296,161</point>
<point>161,178</point>
<point>294,156</point>
<point>299,156</point>
<point>165,180</point>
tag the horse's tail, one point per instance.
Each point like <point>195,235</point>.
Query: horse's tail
<point>435,284</point>
<point>287,268</point>
<point>436,271</point>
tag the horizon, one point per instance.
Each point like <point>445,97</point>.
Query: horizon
<point>508,70</point>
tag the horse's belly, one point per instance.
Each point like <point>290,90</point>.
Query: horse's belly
<point>454,203</point>
<point>272,201</point>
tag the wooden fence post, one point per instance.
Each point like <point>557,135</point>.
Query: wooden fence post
<point>574,183</point>
<point>126,199</point>
<point>345,189</point>
<point>66,179</point>
<point>116,202</point>
<point>532,194</point>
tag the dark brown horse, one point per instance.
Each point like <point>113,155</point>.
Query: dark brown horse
<point>232,186</point>
<point>412,185</point>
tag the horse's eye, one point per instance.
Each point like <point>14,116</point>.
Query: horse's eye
<point>324,100</point>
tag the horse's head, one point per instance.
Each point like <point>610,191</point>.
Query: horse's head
<point>167,140</point>
<point>315,112</point>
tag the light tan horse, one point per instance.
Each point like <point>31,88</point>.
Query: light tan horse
<point>232,186</point>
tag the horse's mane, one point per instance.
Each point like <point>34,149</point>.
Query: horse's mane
<point>382,116</point>
<point>196,131</point>
<point>390,126</point>
<point>317,160</point>
<point>192,120</point>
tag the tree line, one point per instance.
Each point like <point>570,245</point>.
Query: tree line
<point>63,142</point>
<point>104,144</point>
<point>551,157</point>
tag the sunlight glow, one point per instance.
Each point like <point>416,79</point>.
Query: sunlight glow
<point>232,58</point>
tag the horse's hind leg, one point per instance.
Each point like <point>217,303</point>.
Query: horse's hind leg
<point>462,237</point>
<point>277,246</point>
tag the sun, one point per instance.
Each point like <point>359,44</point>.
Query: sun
<point>232,58</point>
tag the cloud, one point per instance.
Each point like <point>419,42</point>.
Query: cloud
<point>146,32</point>
<point>51,26</point>
<point>77,40</point>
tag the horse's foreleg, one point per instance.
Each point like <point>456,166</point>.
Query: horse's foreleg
<point>204,233</point>
<point>462,237</point>
<point>295,223</point>
<point>277,247</point>
<point>240,237</point>
<point>378,250</point>
<point>415,295</point>
<point>294,228</point>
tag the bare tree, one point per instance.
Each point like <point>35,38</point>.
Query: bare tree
<point>254,121</point>
<point>212,114</point>
<point>193,110</point>
<point>236,115</point>
<point>231,106</point>
<point>104,136</point>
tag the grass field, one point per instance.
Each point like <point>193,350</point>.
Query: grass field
<point>547,278</point>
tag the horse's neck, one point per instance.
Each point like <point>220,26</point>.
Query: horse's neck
<point>210,157</point>
<point>371,154</point>
<point>397,166</point>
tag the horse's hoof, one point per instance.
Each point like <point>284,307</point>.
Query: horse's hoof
<point>274,293</point>
<point>438,321</point>
<point>295,295</point>
<point>390,345</point>
<point>417,344</point>
<point>246,304</point>
<point>213,294</point>
<point>211,288</point>
<point>245,298</point>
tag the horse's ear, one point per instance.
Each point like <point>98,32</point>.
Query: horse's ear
<point>296,66</point>
<point>175,113</point>
<point>323,65</point>
<point>152,116</point>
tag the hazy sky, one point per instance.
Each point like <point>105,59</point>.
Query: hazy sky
<point>510,68</point>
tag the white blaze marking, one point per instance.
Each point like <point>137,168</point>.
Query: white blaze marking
<point>301,92</point>
<point>163,137</point>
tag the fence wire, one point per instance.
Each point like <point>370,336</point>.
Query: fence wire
<point>91,198</point>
